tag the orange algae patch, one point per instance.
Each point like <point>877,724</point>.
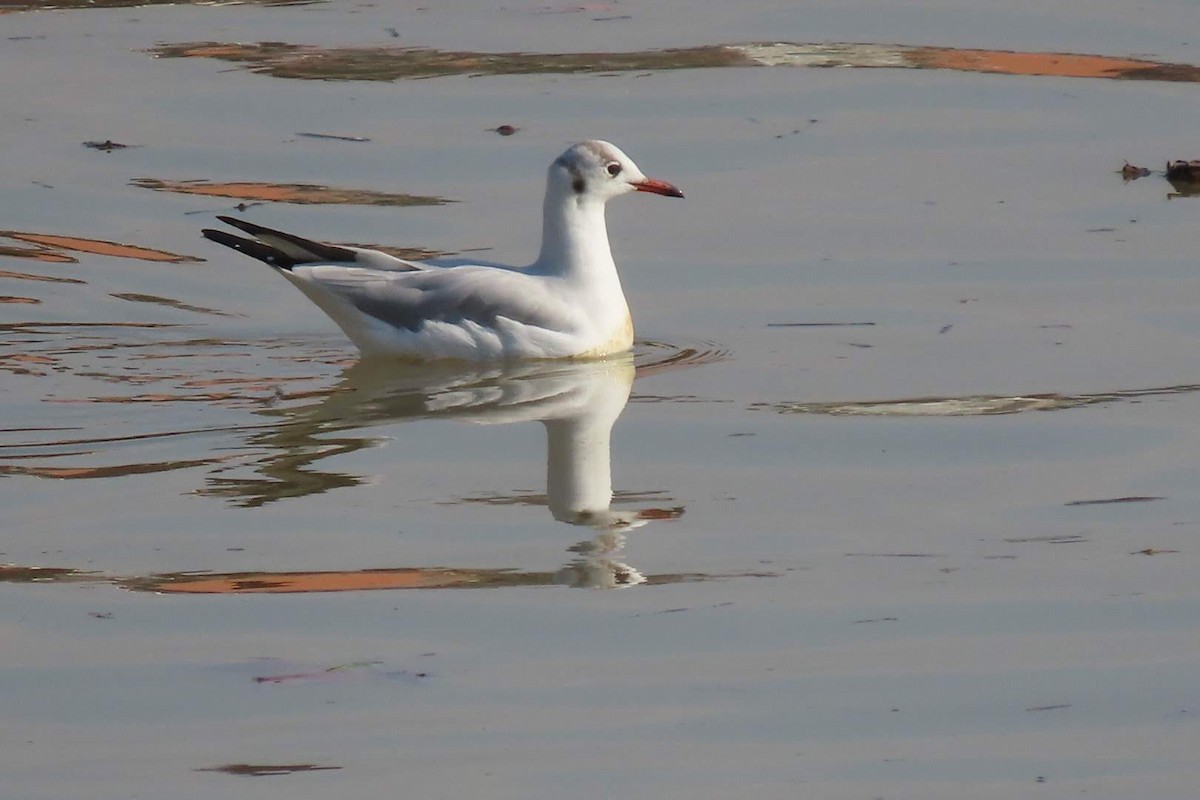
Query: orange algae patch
<point>95,246</point>
<point>299,193</point>
<point>118,471</point>
<point>1004,62</point>
<point>25,276</point>
<point>285,582</point>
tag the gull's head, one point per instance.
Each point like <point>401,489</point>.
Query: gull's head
<point>598,170</point>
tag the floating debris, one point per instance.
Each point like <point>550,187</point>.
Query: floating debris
<point>260,770</point>
<point>680,609</point>
<point>333,136</point>
<point>49,245</point>
<point>134,297</point>
<point>1112,500</point>
<point>25,276</point>
<point>107,146</point>
<point>10,573</point>
<point>820,324</point>
<point>1185,177</point>
<point>11,6</point>
<point>1066,538</point>
<point>283,60</point>
<point>1183,170</point>
<point>38,254</point>
<point>114,471</point>
<point>306,582</point>
<point>339,670</point>
<point>298,193</point>
<point>505,130</point>
<point>1151,551</point>
<point>1131,173</point>
<point>795,131</point>
<point>213,211</point>
<point>971,405</point>
<point>898,555</point>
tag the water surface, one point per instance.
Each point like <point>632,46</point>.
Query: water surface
<point>894,498</point>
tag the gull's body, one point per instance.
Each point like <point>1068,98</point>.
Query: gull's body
<point>567,304</point>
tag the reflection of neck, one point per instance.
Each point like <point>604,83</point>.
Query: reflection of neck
<point>578,466</point>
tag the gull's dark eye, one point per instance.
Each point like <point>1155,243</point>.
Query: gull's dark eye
<point>614,169</point>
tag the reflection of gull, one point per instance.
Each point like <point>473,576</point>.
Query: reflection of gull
<point>568,303</point>
<point>577,402</point>
<point>578,406</point>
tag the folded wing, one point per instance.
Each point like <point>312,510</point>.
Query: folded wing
<point>411,300</point>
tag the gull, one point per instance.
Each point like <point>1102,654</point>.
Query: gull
<point>566,304</point>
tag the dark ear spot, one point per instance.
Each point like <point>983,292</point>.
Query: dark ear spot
<point>578,185</point>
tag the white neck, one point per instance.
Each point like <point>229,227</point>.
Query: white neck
<point>575,239</point>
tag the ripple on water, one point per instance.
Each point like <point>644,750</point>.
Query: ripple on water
<point>974,405</point>
<point>254,416</point>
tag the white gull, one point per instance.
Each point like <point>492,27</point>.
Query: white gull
<point>567,304</point>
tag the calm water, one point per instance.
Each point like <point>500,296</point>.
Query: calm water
<point>895,498</point>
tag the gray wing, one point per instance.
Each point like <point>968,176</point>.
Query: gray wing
<point>476,294</point>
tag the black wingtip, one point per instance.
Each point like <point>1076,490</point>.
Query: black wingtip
<point>301,251</point>
<point>240,224</point>
<point>263,252</point>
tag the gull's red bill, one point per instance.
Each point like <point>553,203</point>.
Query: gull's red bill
<point>657,187</point>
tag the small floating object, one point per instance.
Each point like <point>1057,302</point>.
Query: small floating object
<point>1111,500</point>
<point>1131,173</point>
<point>107,146</point>
<point>820,324</point>
<point>259,770</point>
<point>336,671</point>
<point>505,130</point>
<point>49,247</point>
<point>1184,176</point>
<point>1184,171</point>
<point>334,136</point>
<point>239,207</point>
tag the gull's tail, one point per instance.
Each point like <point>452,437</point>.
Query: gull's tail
<point>276,248</point>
